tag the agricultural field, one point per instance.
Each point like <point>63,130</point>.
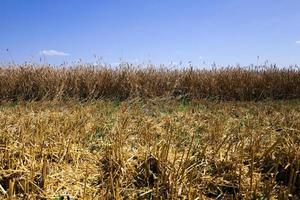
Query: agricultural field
<point>158,149</point>
<point>149,100</point>
<point>84,82</point>
<point>114,134</point>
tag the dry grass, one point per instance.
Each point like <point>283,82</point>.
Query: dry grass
<point>154,149</point>
<point>30,82</point>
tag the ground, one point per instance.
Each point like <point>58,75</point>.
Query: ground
<point>150,149</point>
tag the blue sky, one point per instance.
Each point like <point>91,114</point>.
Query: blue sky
<point>201,31</point>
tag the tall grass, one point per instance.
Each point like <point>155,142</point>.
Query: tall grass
<point>30,82</point>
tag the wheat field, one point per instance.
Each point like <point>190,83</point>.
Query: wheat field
<point>86,82</point>
<point>149,133</point>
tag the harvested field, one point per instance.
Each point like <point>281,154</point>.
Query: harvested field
<point>150,149</point>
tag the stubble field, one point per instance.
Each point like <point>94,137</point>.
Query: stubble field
<point>150,149</point>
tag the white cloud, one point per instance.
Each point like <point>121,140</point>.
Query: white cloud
<point>52,52</point>
<point>298,42</point>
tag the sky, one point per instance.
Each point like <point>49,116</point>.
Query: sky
<point>200,32</point>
